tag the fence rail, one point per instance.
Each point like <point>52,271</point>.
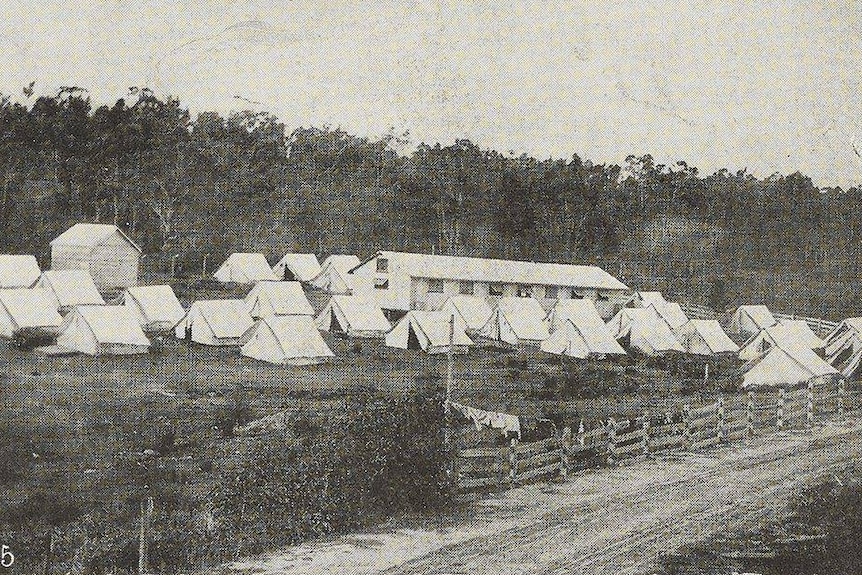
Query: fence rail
<point>719,422</point>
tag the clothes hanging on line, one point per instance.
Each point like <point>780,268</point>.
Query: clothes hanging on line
<point>505,422</point>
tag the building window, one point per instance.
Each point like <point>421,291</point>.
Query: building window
<point>382,265</point>
<point>577,295</point>
<point>495,289</point>
<point>465,288</point>
<point>602,297</point>
<point>525,291</point>
<point>552,292</point>
<point>381,283</point>
<point>435,286</point>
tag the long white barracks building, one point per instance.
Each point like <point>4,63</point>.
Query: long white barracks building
<point>402,281</point>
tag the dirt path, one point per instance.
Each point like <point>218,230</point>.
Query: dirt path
<point>605,521</point>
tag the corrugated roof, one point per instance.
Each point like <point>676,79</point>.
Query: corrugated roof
<point>503,271</point>
<point>89,235</point>
<point>112,324</point>
<point>18,271</point>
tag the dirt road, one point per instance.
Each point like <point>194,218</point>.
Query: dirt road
<point>604,521</point>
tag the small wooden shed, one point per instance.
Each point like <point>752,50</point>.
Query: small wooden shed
<point>110,256</point>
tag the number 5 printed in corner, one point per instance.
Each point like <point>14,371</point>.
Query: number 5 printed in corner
<point>7,559</point>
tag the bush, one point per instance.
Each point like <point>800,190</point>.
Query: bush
<point>376,458</point>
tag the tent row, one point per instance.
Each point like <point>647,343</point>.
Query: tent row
<point>332,276</point>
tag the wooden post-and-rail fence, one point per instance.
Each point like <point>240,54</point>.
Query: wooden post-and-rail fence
<point>726,420</point>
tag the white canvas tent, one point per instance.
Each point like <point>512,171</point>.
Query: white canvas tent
<point>787,333</point>
<point>353,316</point>
<point>156,308</point>
<point>244,268</point>
<point>844,347</point>
<point>268,298</point>
<point>574,310</point>
<point>517,320</point>
<point>18,271</point>
<point>334,277</point>
<point>27,309</point>
<point>643,299</point>
<point>785,366</point>
<point>286,340</point>
<point>428,331</point>
<point>471,312</point>
<point>217,322</point>
<point>102,330</point>
<point>69,288</point>
<point>582,340</point>
<point>705,337</point>
<point>297,267</point>
<point>748,320</point>
<point>645,331</point>
<point>672,314</point>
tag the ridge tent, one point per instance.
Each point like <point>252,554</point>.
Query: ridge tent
<point>644,330</point>
<point>353,316</point>
<point>787,333</point>
<point>428,331</point>
<point>27,309</point>
<point>573,309</point>
<point>672,314</point>
<point>102,330</point>
<point>844,347</point>
<point>750,319</point>
<point>156,308</point>
<point>218,322</point>
<point>785,366</point>
<point>334,276</point>
<point>268,298</point>
<point>297,267</point>
<point>647,298</point>
<point>286,340</point>
<point>582,341</point>
<point>516,320</point>
<point>68,288</point>
<point>244,268</point>
<point>472,312</point>
<point>705,337</point>
<point>18,271</point>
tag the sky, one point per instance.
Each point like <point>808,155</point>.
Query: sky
<point>766,86</point>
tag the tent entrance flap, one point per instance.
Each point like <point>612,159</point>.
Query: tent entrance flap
<point>412,339</point>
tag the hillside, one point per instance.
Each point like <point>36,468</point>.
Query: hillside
<point>208,185</point>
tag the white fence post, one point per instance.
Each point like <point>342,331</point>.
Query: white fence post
<point>809,407</point>
<point>780,408</point>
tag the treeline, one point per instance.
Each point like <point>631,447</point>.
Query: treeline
<point>211,184</point>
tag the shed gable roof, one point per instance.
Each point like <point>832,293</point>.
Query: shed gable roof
<point>90,235</point>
